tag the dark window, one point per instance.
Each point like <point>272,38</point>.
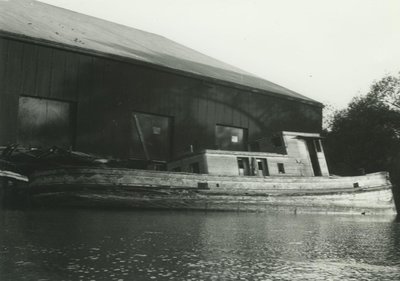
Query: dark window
<point>194,168</point>
<point>150,137</point>
<point>262,167</point>
<point>45,122</point>
<point>244,166</point>
<point>318,145</point>
<point>231,138</point>
<point>281,168</point>
<point>176,169</point>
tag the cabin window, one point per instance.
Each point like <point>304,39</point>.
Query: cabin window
<point>46,122</point>
<point>281,168</point>
<point>194,168</point>
<point>318,145</point>
<point>244,166</point>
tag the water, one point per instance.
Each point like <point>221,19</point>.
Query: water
<point>154,245</point>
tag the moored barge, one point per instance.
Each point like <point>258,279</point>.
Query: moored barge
<point>125,188</point>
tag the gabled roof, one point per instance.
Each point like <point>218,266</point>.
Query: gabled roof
<point>32,19</point>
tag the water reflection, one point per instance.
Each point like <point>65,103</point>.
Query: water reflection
<point>107,245</point>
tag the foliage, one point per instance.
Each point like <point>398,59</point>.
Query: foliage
<point>387,91</point>
<point>328,114</point>
<point>366,135</point>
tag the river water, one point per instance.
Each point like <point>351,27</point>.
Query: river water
<point>155,245</point>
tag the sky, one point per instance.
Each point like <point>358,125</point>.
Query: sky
<point>328,50</point>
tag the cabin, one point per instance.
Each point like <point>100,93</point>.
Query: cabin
<point>82,83</point>
<point>303,156</point>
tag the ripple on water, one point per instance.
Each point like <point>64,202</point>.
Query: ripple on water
<point>197,246</point>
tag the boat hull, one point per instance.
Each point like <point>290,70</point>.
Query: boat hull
<point>120,188</point>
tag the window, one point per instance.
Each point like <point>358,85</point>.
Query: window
<point>230,138</point>
<point>45,122</point>
<point>243,166</point>
<point>262,167</point>
<point>176,169</point>
<point>151,137</point>
<point>281,168</point>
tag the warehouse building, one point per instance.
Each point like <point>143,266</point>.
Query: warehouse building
<point>75,81</point>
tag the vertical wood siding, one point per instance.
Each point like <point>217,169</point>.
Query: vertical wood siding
<point>107,91</point>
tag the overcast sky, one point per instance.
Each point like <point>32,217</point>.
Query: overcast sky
<point>329,50</point>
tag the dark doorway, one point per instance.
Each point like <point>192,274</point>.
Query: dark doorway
<point>151,137</point>
<point>231,138</point>
<point>312,150</point>
<point>244,166</point>
<point>45,122</point>
<point>261,167</point>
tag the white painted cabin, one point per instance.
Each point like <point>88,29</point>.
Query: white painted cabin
<point>302,155</point>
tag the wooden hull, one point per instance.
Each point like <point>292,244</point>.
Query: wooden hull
<point>91,187</point>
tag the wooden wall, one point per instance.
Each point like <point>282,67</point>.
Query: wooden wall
<point>106,91</point>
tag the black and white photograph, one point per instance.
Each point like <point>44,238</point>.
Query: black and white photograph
<point>197,140</point>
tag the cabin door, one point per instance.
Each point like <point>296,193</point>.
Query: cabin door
<point>261,167</point>
<point>312,150</point>
<point>150,137</point>
<point>244,166</point>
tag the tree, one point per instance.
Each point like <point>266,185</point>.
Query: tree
<point>366,135</point>
<point>387,90</point>
<point>328,113</point>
